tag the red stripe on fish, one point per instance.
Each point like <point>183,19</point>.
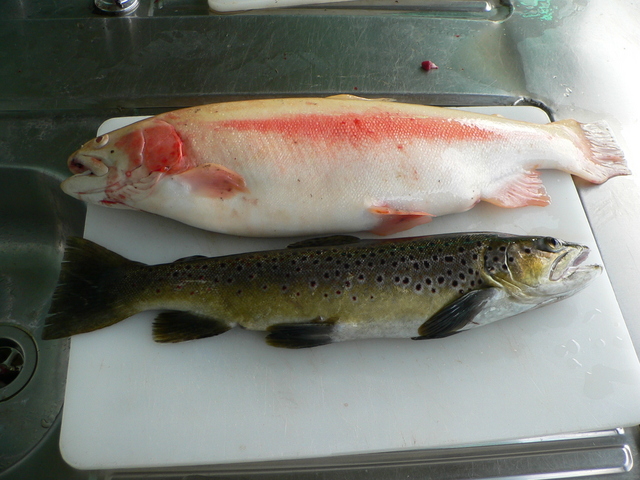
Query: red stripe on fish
<point>373,127</point>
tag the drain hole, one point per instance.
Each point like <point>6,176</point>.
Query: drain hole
<point>11,361</point>
<point>18,360</point>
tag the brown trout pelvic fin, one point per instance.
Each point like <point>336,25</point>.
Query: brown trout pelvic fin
<point>331,241</point>
<point>175,326</point>
<point>456,315</point>
<point>300,335</point>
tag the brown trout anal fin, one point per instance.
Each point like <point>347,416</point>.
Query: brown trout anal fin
<point>456,315</point>
<point>299,335</point>
<point>175,326</point>
<point>394,221</point>
<point>521,190</point>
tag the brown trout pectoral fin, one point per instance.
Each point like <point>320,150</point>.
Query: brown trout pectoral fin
<point>213,180</point>
<point>521,190</point>
<point>331,241</point>
<point>175,326</point>
<point>456,315</point>
<point>394,221</point>
<point>300,335</point>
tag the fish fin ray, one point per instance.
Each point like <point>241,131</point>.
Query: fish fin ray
<point>330,241</point>
<point>603,157</point>
<point>456,315</point>
<point>394,221</point>
<point>83,300</point>
<point>521,190</point>
<point>175,326</point>
<point>213,180</point>
<point>300,335</point>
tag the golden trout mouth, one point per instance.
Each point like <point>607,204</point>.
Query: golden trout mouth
<point>564,266</point>
<point>80,164</point>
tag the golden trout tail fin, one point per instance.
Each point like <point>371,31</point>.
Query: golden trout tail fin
<point>603,157</point>
<point>87,297</point>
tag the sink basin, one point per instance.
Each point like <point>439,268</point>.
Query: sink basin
<point>35,218</point>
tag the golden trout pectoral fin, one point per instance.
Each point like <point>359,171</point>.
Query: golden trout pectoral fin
<point>456,315</point>
<point>331,241</point>
<point>213,180</point>
<point>300,335</point>
<point>394,221</point>
<point>176,326</point>
<point>521,190</point>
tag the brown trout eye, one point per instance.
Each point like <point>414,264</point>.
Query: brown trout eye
<point>549,244</point>
<point>101,141</point>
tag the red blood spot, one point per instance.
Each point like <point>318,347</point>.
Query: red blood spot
<point>355,88</point>
<point>429,65</point>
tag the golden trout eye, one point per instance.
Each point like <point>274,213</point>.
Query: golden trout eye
<point>102,140</point>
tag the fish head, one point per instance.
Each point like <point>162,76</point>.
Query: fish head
<point>540,270</point>
<point>117,168</point>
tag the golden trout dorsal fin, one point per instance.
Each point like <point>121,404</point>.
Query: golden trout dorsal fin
<point>456,315</point>
<point>331,241</point>
<point>176,326</point>
<point>348,96</point>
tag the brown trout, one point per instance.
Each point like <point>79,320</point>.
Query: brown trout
<point>323,290</point>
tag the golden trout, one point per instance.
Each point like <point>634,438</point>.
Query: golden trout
<point>324,290</point>
<point>300,166</point>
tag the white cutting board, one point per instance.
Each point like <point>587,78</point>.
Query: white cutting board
<point>131,402</point>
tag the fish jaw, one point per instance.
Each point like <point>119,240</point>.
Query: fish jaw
<point>554,276</point>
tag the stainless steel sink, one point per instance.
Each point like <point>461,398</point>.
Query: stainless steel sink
<point>35,218</point>
<point>64,68</point>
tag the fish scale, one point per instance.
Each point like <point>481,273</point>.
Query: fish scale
<point>322,290</point>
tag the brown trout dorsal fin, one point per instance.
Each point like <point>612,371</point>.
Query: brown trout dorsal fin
<point>331,241</point>
<point>456,315</point>
<point>300,335</point>
<point>175,326</point>
<point>191,258</point>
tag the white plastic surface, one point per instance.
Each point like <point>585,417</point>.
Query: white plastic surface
<point>564,368</point>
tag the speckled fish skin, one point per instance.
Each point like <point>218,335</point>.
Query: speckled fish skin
<point>323,291</point>
<point>303,166</point>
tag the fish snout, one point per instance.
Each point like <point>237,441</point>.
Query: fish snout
<point>85,164</point>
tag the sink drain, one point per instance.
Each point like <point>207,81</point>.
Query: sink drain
<point>18,358</point>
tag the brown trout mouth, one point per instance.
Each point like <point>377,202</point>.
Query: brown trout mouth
<point>80,164</point>
<point>564,266</point>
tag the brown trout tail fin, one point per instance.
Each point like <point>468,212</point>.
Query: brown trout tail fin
<point>85,299</point>
<point>603,158</point>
